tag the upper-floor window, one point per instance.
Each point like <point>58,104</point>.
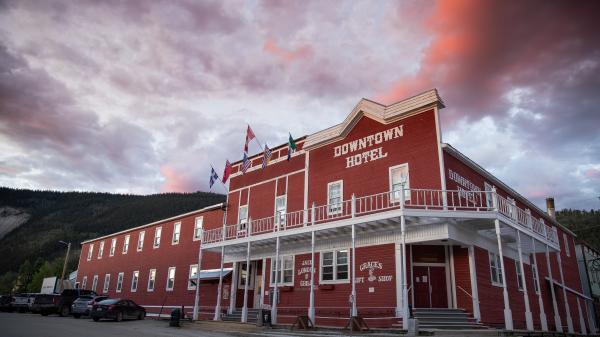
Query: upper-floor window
<point>151,280</point>
<point>242,217</point>
<point>193,277</point>
<point>171,278</point>
<point>489,196</point>
<point>198,228</point>
<point>536,282</point>
<point>334,266</point>
<point>113,245</point>
<point>101,249</point>
<point>134,281</point>
<point>496,269</point>
<point>126,244</point>
<point>176,231</point>
<point>84,282</point>
<point>335,193</point>
<point>106,283</point>
<point>90,252</point>
<point>285,276</point>
<point>566,241</point>
<point>157,234</point>
<point>399,176</point>
<point>94,283</point>
<point>519,275</point>
<point>280,210</point>
<point>120,282</point>
<point>140,244</point>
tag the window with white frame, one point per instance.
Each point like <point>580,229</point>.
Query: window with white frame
<point>84,282</point>
<point>113,245</point>
<point>193,277</point>
<point>285,276</point>
<point>496,269</point>
<point>151,280</point>
<point>134,280</point>
<point>399,175</point>
<point>519,275</point>
<point>489,201</point>
<point>536,282</point>
<point>106,283</point>
<point>280,210</point>
<point>120,282</point>
<point>335,194</point>
<point>157,234</point>
<point>90,252</point>
<point>126,244</point>
<point>171,278</point>
<point>334,266</point>
<point>176,233</point>
<point>101,249</point>
<point>94,283</point>
<point>198,228</point>
<point>242,217</point>
<point>566,244</point>
<point>242,278</point>
<point>140,244</point>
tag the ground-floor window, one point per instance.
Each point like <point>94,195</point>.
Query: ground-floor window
<point>84,282</point>
<point>171,278</point>
<point>134,281</point>
<point>243,273</point>
<point>94,283</point>
<point>519,275</point>
<point>193,277</point>
<point>496,269</point>
<point>334,266</point>
<point>151,279</point>
<point>106,283</point>
<point>285,276</point>
<point>120,282</point>
<point>536,282</point>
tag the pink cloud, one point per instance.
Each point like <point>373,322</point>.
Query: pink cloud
<point>301,52</point>
<point>175,181</point>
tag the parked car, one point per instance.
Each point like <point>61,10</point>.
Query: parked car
<point>45,304</point>
<point>82,305</point>
<point>68,296</point>
<point>6,303</point>
<point>22,302</point>
<point>117,309</point>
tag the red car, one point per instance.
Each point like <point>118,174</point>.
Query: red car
<point>117,309</point>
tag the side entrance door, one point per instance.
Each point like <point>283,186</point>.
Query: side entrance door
<point>429,284</point>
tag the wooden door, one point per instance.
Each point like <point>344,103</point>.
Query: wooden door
<point>437,282</point>
<point>421,286</point>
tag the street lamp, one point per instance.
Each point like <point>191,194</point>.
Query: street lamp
<point>62,277</point>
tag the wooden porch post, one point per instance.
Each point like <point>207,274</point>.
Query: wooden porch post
<point>543,319</point>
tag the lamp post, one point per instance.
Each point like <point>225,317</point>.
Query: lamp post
<point>62,277</point>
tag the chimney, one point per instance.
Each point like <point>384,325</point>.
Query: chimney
<point>550,207</point>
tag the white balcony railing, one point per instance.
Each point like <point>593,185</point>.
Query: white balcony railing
<point>424,199</point>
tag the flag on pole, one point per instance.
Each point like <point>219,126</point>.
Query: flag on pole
<point>213,177</point>
<point>266,156</point>
<point>226,171</point>
<point>246,163</point>
<point>291,147</point>
<point>249,136</point>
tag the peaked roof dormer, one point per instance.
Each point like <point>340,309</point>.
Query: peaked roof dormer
<point>382,113</point>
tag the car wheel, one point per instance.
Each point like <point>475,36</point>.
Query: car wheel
<point>96,319</point>
<point>140,316</point>
<point>64,311</point>
<point>119,316</point>
<point>76,315</point>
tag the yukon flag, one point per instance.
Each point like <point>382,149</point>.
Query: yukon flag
<point>266,156</point>
<point>213,177</point>
<point>249,136</point>
<point>291,147</point>
<point>226,171</point>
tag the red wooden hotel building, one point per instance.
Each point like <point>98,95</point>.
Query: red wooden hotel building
<point>378,198</point>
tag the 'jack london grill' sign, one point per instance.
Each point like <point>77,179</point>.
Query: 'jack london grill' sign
<point>366,143</point>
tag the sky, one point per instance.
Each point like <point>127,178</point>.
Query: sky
<point>144,96</point>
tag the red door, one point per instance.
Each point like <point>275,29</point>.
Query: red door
<point>421,286</point>
<point>430,287</point>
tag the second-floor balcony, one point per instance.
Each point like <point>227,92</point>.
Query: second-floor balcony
<point>421,205</point>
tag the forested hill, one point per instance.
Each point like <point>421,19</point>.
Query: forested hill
<point>586,224</point>
<point>32,223</point>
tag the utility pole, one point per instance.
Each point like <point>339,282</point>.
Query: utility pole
<point>62,277</point>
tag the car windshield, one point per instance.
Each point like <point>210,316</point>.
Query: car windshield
<point>84,298</point>
<point>109,301</point>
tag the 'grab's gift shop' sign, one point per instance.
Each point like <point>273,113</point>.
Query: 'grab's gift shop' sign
<point>367,142</point>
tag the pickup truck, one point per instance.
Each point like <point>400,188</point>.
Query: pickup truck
<point>68,296</point>
<point>45,304</point>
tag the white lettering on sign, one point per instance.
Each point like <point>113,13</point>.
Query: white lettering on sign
<point>371,267</point>
<point>465,186</point>
<point>304,272</point>
<point>366,142</point>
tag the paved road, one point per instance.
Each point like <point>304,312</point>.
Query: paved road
<point>30,325</point>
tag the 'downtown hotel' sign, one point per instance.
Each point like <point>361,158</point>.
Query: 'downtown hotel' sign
<point>365,143</point>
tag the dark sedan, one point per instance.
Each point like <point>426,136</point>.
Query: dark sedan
<point>117,309</point>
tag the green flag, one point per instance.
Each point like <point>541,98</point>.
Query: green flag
<point>291,147</point>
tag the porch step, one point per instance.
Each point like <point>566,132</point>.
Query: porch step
<point>445,319</point>
<point>236,316</point>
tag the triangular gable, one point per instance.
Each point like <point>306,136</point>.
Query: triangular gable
<point>377,111</point>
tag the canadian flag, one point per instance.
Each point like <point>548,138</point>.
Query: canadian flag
<point>249,136</point>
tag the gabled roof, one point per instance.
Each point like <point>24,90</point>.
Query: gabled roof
<point>377,111</point>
